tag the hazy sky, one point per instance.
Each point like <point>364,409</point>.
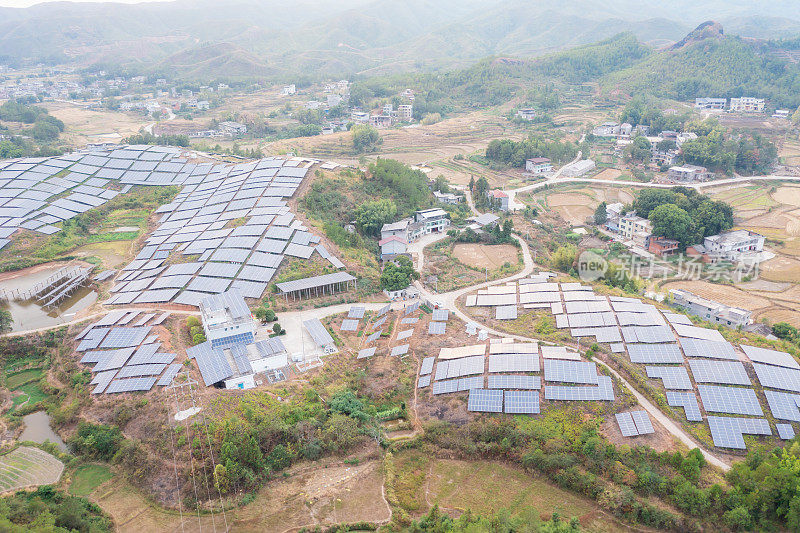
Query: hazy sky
<point>27,3</point>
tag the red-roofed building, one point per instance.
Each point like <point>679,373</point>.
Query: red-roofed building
<point>662,246</point>
<point>499,199</point>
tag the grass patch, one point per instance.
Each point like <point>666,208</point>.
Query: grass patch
<point>87,478</point>
<point>18,379</point>
<point>31,395</point>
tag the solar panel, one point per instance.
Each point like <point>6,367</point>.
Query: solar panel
<point>445,387</point>
<point>654,353</point>
<point>468,383</point>
<point>385,309</point>
<point>674,377</point>
<point>725,372</point>
<point>783,405</point>
<point>427,366</point>
<point>440,315</point>
<point>156,296</point>
<point>378,323</point>
<point>102,380</point>
<point>688,401</point>
<point>570,371</point>
<point>785,431</point>
<point>770,357</point>
<point>131,385</point>
<point>400,350</point>
<point>404,334</point>
<point>366,352</point>
<point>778,377</point>
<point>409,320</point>
<point>642,421</point>
<point>213,364</point>
<point>349,325</point>
<point>485,401</point>
<point>704,348</point>
<point>513,363</point>
<point>220,270</point>
<point>730,400</point>
<point>436,328</point>
<point>374,336</point>
<point>356,312</point>
<point>726,432</point>
<point>249,289</point>
<point>514,381</point>
<point>521,402</point>
<point>505,312</point>
<point>134,371</point>
<point>125,337</point>
<point>603,391</point>
<point>411,308</point>
<point>626,425</point>
<point>210,285</point>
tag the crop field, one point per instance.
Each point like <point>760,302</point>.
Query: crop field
<point>481,255</point>
<point>87,478</point>
<point>26,467</point>
<point>461,265</point>
<point>574,204</point>
<point>91,125</point>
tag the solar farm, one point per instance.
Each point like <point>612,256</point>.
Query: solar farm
<point>705,379</point>
<point>196,250</point>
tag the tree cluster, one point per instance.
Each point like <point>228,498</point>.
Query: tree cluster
<point>398,274</point>
<point>743,153</point>
<point>515,153</point>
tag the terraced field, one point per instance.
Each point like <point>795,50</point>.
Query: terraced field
<point>26,466</point>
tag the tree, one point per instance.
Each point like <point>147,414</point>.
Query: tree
<point>277,328</point>
<point>713,217</point>
<point>564,257</point>
<point>371,216</point>
<point>398,274</point>
<point>365,138</point>
<point>784,330</point>
<point>649,199</point>
<point>639,150</point>
<point>601,214</point>
<point>5,321</point>
<point>672,222</point>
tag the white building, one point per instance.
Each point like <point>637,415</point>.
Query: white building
<point>710,103</point>
<point>527,113</point>
<point>635,228</point>
<point>448,197</point>
<point>392,247</point>
<point>227,319</point>
<point>433,220</point>
<point>734,245</point>
<point>538,165</point>
<point>606,129</point>
<point>289,90</point>
<point>232,128</point>
<point>688,174</point>
<point>710,310</point>
<point>578,168</point>
<point>747,104</point>
<point>405,113</point>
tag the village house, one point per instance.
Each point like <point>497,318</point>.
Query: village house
<point>613,214</point>
<point>688,174</point>
<point>498,198</point>
<point>380,121</point>
<point>710,310</point>
<point>448,197</point>
<point>734,245</point>
<point>406,229</point>
<point>232,128</point>
<point>527,113</point>
<point>432,220</point>
<point>710,103</point>
<point>637,229</point>
<point>405,113</point>
<point>227,319</point>
<point>747,104</point>
<point>661,246</point>
<point>538,165</point>
<point>289,90</point>
<point>392,247</point>
<point>606,129</point>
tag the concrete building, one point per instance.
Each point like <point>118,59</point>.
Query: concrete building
<point>710,310</point>
<point>448,198</point>
<point>733,245</point>
<point>334,100</point>
<point>227,319</point>
<point>289,90</point>
<point>747,104</point>
<point>485,220</point>
<point>685,136</point>
<point>688,174</point>
<point>359,116</point>
<point>538,165</point>
<point>662,246</point>
<point>781,113</point>
<point>391,247</point>
<point>606,129</point>
<point>578,168</point>
<point>232,128</point>
<point>433,220</point>
<point>527,113</point>
<point>498,198</point>
<point>380,121</point>
<point>407,229</point>
<point>613,214</point>
<point>710,103</point>
<point>405,113</point>
<point>637,229</point>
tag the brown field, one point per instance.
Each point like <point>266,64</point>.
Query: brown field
<point>92,125</point>
<point>481,255</point>
<point>574,204</point>
<point>608,174</point>
<point>726,294</point>
<point>310,496</point>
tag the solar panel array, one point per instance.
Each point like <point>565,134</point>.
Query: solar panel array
<point>349,324</point>
<point>642,421</point>
<point>778,377</point>
<point>604,391</point>
<point>704,348</point>
<point>514,381</point>
<point>785,431</point>
<point>783,405</point>
<point>688,401</point>
<point>38,193</point>
<point>521,402</point>
<point>729,400</point>
<point>485,401</point>
<point>400,350</point>
<point>570,371</point>
<point>727,432</point>
<point>674,377</point>
<point>366,352</point>
<point>770,357</point>
<point>725,372</point>
<point>427,366</point>
<point>655,353</point>
<point>626,425</point>
<point>513,363</point>
<point>436,328</point>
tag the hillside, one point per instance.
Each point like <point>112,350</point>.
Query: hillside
<point>322,38</point>
<point>720,66</point>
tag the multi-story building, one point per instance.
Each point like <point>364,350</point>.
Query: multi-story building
<point>289,90</point>
<point>733,245</point>
<point>635,228</point>
<point>688,174</point>
<point>538,165</point>
<point>406,228</point>
<point>662,246</point>
<point>433,220</point>
<point>710,310</point>
<point>747,104</point>
<point>710,103</point>
<point>227,319</point>
<point>405,113</point>
<point>498,198</point>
